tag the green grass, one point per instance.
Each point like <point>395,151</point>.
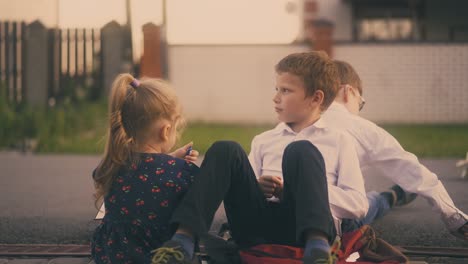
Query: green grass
<point>432,140</point>
<point>437,141</point>
<point>63,129</point>
<point>204,134</point>
<point>80,128</point>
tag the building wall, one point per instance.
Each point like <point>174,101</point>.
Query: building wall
<point>442,15</point>
<point>403,83</point>
<point>227,83</point>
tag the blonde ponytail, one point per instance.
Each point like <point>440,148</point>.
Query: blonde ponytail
<point>133,107</point>
<point>119,144</point>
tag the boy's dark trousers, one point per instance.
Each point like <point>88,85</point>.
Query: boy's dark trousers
<point>226,174</point>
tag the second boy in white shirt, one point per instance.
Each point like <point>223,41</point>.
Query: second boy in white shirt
<point>377,149</point>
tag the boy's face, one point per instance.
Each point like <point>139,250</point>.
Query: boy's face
<point>291,103</point>
<point>354,102</point>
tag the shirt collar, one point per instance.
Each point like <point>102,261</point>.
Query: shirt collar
<point>338,107</point>
<point>283,127</point>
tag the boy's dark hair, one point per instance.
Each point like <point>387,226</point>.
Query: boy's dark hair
<point>347,75</point>
<point>316,70</point>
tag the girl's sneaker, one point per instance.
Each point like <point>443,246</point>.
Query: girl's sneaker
<point>171,252</point>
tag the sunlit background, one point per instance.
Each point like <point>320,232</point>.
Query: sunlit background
<point>188,22</point>
<point>412,56</point>
<point>55,77</point>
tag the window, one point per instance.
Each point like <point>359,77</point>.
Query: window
<point>387,20</point>
<point>385,29</point>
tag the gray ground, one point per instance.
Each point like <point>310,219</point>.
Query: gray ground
<point>416,223</point>
<point>48,199</point>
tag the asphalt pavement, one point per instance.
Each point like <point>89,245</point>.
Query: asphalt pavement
<point>47,199</point>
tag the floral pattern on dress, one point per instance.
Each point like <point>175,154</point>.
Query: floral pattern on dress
<point>139,206</point>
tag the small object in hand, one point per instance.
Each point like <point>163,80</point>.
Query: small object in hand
<point>189,149</point>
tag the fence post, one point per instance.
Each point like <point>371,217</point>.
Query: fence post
<point>77,65</point>
<point>151,58</point>
<point>23,59</point>
<point>54,62</point>
<point>111,53</point>
<point>85,68</point>
<point>68,52</point>
<point>96,68</point>
<point>36,71</point>
<point>7,61</point>
<point>14,34</point>
<point>2,40</point>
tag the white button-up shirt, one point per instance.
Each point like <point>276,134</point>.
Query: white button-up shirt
<point>379,150</point>
<point>345,182</point>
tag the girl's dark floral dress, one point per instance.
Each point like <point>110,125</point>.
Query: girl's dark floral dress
<point>138,209</point>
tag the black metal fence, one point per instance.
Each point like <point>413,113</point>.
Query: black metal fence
<point>75,63</point>
<point>48,66</point>
<point>11,39</point>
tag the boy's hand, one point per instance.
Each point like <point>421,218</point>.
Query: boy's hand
<point>279,189</point>
<point>271,185</point>
<point>186,152</point>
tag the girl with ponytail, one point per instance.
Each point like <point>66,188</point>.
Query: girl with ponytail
<point>138,179</point>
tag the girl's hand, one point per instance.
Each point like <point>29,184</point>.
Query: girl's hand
<point>186,152</point>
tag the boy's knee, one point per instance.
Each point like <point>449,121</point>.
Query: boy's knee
<point>300,147</point>
<point>225,146</point>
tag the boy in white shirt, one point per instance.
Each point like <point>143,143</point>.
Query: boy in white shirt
<point>303,92</point>
<point>379,150</point>
<point>312,171</point>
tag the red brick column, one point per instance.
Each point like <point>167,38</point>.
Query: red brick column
<point>310,13</point>
<point>151,59</point>
<point>323,36</point>
<point>317,32</point>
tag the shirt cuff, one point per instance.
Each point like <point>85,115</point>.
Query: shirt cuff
<point>455,221</point>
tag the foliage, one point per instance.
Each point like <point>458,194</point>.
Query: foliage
<point>79,126</point>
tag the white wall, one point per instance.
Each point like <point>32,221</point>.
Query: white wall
<point>26,10</point>
<point>403,83</point>
<point>227,83</point>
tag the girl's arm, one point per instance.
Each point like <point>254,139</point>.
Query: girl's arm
<point>186,152</point>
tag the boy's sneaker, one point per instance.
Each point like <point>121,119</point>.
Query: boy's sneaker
<point>401,197</point>
<point>319,257</point>
<point>171,252</point>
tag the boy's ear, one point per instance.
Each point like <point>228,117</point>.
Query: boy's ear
<point>346,90</point>
<point>318,97</point>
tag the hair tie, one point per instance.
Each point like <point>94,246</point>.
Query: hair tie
<point>135,83</point>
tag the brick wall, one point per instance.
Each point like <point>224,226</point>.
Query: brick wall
<point>406,83</point>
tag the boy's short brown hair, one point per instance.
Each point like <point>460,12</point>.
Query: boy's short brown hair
<point>347,75</point>
<point>317,72</point>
